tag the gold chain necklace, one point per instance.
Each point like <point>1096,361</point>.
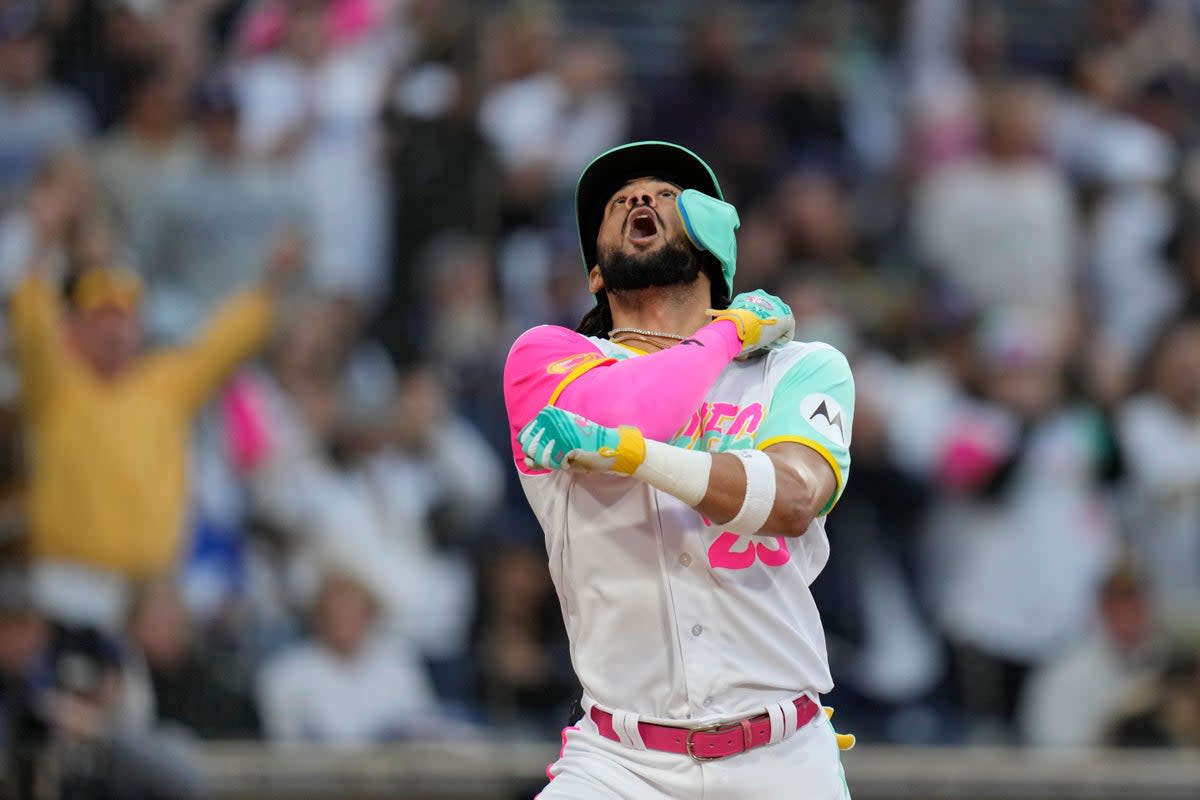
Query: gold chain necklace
<point>674,336</point>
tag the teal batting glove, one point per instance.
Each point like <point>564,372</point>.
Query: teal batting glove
<point>557,439</point>
<point>763,321</point>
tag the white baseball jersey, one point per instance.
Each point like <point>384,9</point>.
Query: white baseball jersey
<point>669,617</point>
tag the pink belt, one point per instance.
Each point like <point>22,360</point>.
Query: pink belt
<point>708,742</point>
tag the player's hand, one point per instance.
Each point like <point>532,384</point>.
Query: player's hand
<point>557,439</point>
<point>763,320</point>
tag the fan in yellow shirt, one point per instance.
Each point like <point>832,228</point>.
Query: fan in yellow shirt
<point>109,426</point>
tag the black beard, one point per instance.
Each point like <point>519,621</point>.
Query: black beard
<point>673,265</point>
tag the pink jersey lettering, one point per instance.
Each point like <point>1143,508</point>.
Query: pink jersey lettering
<point>731,551</point>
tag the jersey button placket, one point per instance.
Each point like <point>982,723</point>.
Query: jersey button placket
<point>696,613</point>
<point>699,663</point>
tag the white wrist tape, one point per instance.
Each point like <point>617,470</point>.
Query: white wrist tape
<point>678,472</point>
<point>760,493</point>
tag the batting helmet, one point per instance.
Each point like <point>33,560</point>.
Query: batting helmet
<point>710,222</point>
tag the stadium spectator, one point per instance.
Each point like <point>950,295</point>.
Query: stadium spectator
<point>151,144</point>
<point>709,90</point>
<point>297,398</point>
<point>762,246</point>
<point>813,214</point>
<point>464,318</point>
<point>1162,444</point>
<point>947,53</point>
<point>593,111</point>
<point>805,105</point>
<point>1122,164</point>
<point>60,204</point>
<point>1022,468</point>
<point>1183,252</point>
<point>527,678</point>
<point>470,325</point>
<point>518,112</point>
<point>205,231</point>
<point>425,454</point>
<point>434,148</point>
<point>1073,700</point>
<point>1168,715</point>
<point>98,43</point>
<point>109,427</point>
<point>1149,38</point>
<point>66,721</point>
<point>1130,223</point>
<point>13,458</point>
<point>432,484</point>
<point>882,637</point>
<point>360,461</point>
<point>188,688</point>
<point>349,684</point>
<point>310,99</point>
<point>25,636</point>
<point>1001,226</point>
<point>36,117</point>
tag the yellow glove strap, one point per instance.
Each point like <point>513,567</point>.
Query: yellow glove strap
<point>630,451</point>
<point>749,325</point>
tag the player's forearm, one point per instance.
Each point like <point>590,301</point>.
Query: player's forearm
<point>796,502</point>
<point>751,491</point>
<point>656,393</point>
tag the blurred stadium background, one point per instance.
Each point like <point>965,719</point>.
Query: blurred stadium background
<point>992,207</point>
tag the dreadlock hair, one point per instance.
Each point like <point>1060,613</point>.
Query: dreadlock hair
<point>598,321</point>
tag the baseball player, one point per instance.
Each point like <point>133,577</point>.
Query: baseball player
<point>681,454</point>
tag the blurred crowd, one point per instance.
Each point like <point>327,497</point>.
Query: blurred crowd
<point>992,208</point>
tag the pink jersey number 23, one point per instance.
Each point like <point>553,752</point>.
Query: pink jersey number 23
<point>730,551</point>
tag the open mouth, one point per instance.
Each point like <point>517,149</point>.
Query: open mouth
<point>642,225</point>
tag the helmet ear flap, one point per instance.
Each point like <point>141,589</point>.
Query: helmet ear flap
<point>711,225</point>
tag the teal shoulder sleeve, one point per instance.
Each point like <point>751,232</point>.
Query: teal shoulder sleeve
<point>813,405</point>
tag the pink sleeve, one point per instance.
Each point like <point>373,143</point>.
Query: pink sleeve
<point>656,393</point>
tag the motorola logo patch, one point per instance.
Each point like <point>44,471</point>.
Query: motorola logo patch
<point>825,415</point>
